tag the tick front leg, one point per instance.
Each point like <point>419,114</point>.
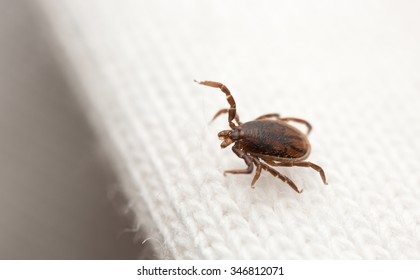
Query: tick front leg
<point>302,164</point>
<point>232,110</point>
<point>247,158</point>
<point>224,111</point>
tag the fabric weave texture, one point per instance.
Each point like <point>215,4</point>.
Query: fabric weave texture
<point>350,68</point>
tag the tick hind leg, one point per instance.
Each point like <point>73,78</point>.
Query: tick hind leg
<point>269,116</point>
<point>302,164</point>
<point>277,174</point>
<point>277,117</point>
<point>308,125</point>
<point>250,160</point>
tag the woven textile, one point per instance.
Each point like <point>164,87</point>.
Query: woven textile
<point>351,68</point>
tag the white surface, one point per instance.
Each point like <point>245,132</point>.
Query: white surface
<point>351,68</point>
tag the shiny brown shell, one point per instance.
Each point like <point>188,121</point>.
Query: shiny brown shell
<point>273,139</point>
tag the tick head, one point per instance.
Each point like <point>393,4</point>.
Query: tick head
<point>227,137</point>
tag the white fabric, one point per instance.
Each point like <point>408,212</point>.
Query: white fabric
<point>351,68</point>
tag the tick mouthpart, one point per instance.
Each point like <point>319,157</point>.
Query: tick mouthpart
<point>224,134</point>
<point>226,143</point>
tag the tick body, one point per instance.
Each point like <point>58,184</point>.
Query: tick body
<point>273,139</point>
<point>266,141</point>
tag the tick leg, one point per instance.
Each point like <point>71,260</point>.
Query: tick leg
<point>247,158</point>
<point>224,111</point>
<point>229,98</point>
<point>257,173</point>
<point>285,179</point>
<point>277,117</point>
<point>268,116</point>
<point>308,125</point>
<point>303,164</point>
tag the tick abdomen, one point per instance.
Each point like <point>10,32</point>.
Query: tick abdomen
<point>273,139</point>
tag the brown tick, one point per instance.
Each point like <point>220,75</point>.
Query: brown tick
<point>268,138</point>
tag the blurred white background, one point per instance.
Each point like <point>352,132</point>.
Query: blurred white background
<point>55,186</point>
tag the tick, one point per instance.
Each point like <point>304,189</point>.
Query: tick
<point>267,141</point>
